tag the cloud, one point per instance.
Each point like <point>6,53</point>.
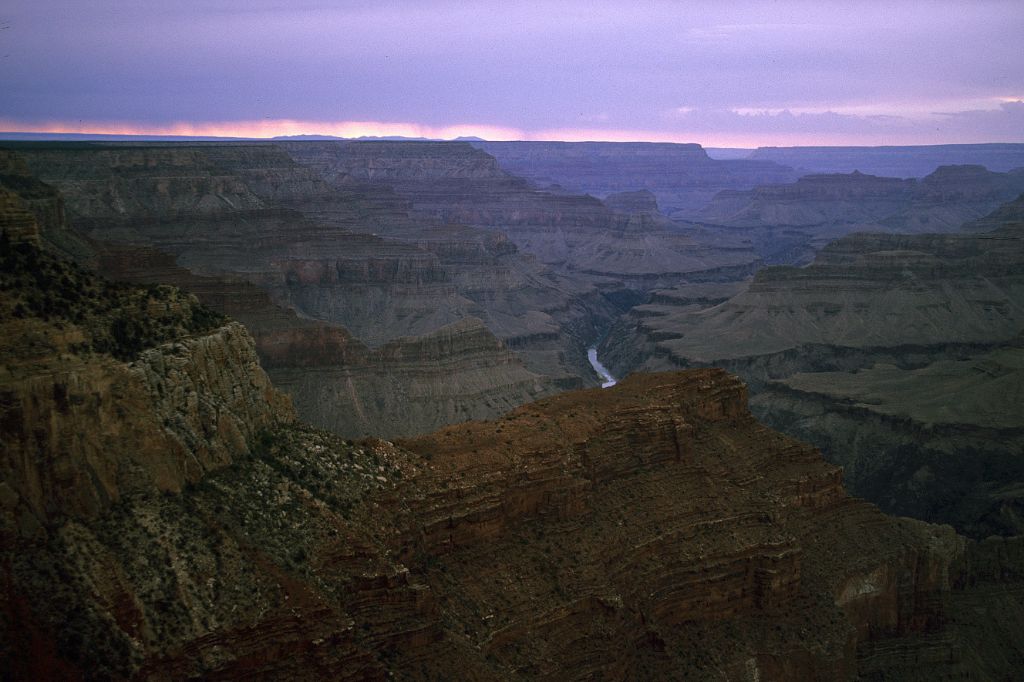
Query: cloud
<point>522,65</point>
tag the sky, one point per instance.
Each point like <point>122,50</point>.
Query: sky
<point>724,74</point>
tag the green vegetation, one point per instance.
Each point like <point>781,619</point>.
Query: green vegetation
<point>117,319</point>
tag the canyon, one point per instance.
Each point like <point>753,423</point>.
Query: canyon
<point>337,254</point>
<point>343,415</point>
<point>898,355</point>
<point>650,529</point>
<point>790,223</point>
<point>339,286</point>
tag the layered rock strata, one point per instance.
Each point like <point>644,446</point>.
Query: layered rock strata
<point>893,161</point>
<point>38,204</point>
<point>943,441</point>
<point>575,234</point>
<point>269,241</point>
<point>109,390</point>
<point>411,385</point>
<point>408,385</point>
<point>682,177</point>
<point>896,354</point>
<point>789,223</point>
<point>654,529</point>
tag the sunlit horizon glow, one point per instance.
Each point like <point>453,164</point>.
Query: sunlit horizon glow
<point>271,128</point>
<point>745,73</point>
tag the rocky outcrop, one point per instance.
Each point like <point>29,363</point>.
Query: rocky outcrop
<point>944,441</point>
<point>88,418</point>
<point>866,291</point>
<point>576,235</point>
<point>788,224</point>
<point>31,207</point>
<point>641,201</point>
<point>893,353</point>
<point>648,530</point>
<point>320,272</point>
<point>410,385</point>
<point>681,176</point>
<point>893,161</point>
<point>17,223</point>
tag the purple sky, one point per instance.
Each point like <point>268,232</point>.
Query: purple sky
<point>720,73</point>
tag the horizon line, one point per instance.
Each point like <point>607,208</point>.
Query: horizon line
<point>270,129</point>
<point>60,136</point>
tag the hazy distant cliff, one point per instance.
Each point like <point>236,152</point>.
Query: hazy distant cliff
<point>681,176</point>
<point>575,235</point>
<point>892,161</point>
<point>789,223</point>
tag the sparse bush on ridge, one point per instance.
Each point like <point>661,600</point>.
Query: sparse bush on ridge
<point>117,319</point>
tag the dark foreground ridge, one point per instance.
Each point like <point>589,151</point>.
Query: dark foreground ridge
<point>650,530</point>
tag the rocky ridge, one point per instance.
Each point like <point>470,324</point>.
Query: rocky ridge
<point>576,235</point>
<point>650,529</point>
<point>890,161</point>
<point>224,220</point>
<point>108,390</point>
<point>789,223</point>
<point>890,352</point>
<point>681,176</point>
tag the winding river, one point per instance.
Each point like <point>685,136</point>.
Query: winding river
<point>606,377</point>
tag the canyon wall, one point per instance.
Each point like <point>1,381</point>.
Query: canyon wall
<point>164,516</point>
<point>892,161</point>
<point>898,355</point>
<point>681,176</point>
<point>576,235</point>
<point>270,242</point>
<point>649,530</point>
<point>789,223</point>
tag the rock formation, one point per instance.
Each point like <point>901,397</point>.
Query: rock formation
<point>944,441</point>
<point>577,235</point>
<point>899,162</point>
<point>641,201</point>
<point>410,385</point>
<point>681,176</point>
<point>653,529</point>
<point>108,390</point>
<point>224,220</point>
<point>39,204</point>
<point>788,223</point>
<point>897,354</point>
<point>163,516</point>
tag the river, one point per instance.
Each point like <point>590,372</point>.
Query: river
<point>606,377</point>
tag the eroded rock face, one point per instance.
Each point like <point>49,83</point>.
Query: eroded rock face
<point>168,520</point>
<point>681,176</point>
<point>577,235</point>
<point>898,162</point>
<point>321,274</point>
<point>867,291</point>
<point>109,392</point>
<point>640,201</point>
<point>29,206</point>
<point>943,441</point>
<point>898,355</point>
<point>411,385</point>
<point>789,223</point>
<point>648,530</point>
